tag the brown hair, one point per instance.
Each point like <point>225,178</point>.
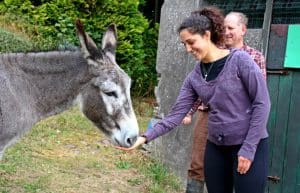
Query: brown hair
<point>206,19</point>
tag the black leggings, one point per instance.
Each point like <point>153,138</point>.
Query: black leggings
<point>220,169</point>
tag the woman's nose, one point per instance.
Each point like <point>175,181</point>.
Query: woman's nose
<point>188,48</point>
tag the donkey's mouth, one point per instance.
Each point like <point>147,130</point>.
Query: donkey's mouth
<point>116,141</point>
<point>127,142</point>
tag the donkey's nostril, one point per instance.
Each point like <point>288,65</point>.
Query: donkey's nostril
<point>131,140</point>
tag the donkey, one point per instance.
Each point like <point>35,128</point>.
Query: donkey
<point>34,86</point>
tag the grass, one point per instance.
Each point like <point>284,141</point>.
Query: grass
<point>66,153</point>
<point>17,35</point>
<point>14,24</point>
<point>12,43</point>
<point>12,35</point>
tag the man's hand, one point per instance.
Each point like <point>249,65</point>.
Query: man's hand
<point>243,165</point>
<point>139,141</point>
<point>187,119</point>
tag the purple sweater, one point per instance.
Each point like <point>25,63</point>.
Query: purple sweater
<point>238,100</point>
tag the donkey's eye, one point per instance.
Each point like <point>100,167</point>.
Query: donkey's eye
<point>111,94</point>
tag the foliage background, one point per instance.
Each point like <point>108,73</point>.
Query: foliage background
<point>49,25</point>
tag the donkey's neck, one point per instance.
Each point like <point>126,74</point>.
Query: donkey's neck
<point>50,81</point>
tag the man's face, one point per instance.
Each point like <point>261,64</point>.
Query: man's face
<point>234,31</point>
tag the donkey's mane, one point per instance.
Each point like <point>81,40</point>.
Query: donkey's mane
<point>44,80</point>
<point>43,62</point>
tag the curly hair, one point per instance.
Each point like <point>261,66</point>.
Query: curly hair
<point>206,19</point>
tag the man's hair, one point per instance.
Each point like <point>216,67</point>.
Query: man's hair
<point>242,17</point>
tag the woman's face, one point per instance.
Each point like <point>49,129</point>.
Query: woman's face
<point>195,44</point>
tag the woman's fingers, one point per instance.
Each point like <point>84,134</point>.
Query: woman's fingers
<point>139,141</point>
<point>243,165</point>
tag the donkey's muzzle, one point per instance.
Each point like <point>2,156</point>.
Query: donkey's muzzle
<point>131,140</point>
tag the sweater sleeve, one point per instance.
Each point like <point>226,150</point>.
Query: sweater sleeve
<point>256,86</point>
<point>183,104</point>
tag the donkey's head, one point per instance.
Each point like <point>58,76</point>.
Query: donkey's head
<point>106,99</point>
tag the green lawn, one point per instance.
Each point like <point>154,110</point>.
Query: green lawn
<point>66,153</point>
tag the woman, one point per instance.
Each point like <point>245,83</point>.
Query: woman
<point>233,88</point>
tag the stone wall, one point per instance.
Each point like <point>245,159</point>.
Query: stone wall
<point>173,64</point>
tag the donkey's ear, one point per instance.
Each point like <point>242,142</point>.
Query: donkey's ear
<point>88,46</point>
<point>109,40</point>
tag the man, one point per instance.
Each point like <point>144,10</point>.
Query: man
<point>235,29</point>
<point>236,26</point>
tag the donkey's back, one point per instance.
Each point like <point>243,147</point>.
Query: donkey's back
<point>34,86</point>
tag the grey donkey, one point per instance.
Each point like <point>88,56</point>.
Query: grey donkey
<point>34,86</point>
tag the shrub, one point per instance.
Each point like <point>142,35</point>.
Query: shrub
<point>12,43</point>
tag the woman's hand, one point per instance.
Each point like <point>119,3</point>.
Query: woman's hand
<point>187,119</point>
<point>139,141</point>
<point>243,165</point>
